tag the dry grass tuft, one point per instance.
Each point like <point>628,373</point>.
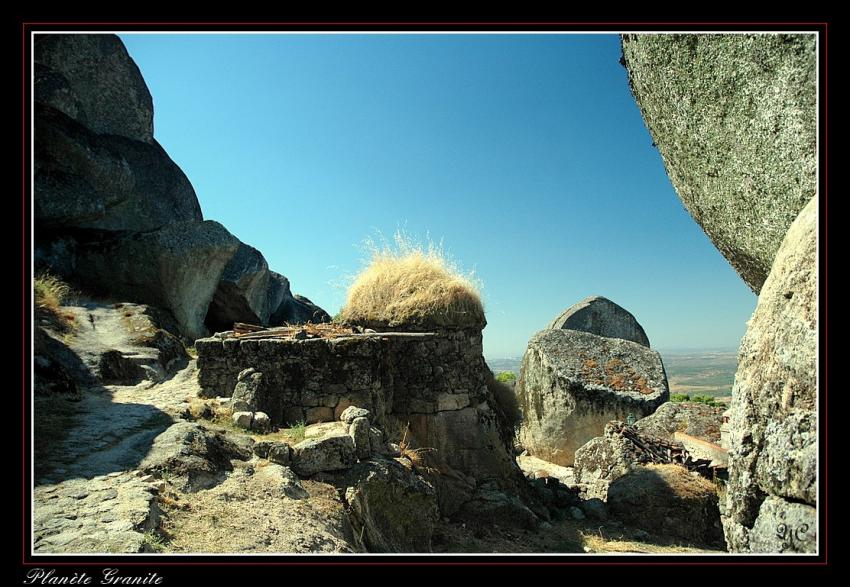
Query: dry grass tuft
<point>50,292</point>
<point>413,286</point>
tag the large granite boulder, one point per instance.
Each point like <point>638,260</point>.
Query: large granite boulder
<point>773,417</point>
<point>242,294</point>
<point>735,119</point>
<point>669,501</point>
<point>177,267</point>
<point>572,383</point>
<point>601,316</point>
<point>105,182</point>
<point>92,79</point>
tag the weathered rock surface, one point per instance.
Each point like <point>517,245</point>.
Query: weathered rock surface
<point>105,514</point>
<point>734,117</point>
<point>242,294</point>
<point>359,430</point>
<point>121,344</point>
<point>692,418</point>
<point>573,383</point>
<point>92,79</point>
<point>667,500</point>
<point>602,460</point>
<point>151,267</point>
<point>332,452</point>
<point>392,508</point>
<point>247,395</point>
<point>104,182</point>
<point>191,457</point>
<point>600,316</point>
<point>773,419</point>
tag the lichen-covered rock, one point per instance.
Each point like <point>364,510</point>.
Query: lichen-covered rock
<point>280,453</point>
<point>152,267</point>
<point>92,79</point>
<point>351,413</point>
<point>329,453</point>
<point>573,383</point>
<point>783,526</point>
<point>667,500</point>
<point>359,432</point>
<point>692,418</point>
<point>772,418</point>
<point>192,457</point>
<point>391,508</point>
<point>735,119</point>
<point>600,316</point>
<point>602,460</point>
<point>84,180</point>
<point>247,395</point>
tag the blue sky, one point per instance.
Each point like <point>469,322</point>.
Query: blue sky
<point>525,154</point>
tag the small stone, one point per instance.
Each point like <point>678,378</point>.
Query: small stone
<point>279,453</point>
<point>243,419</point>
<point>352,412</point>
<point>262,448</point>
<point>261,422</point>
<point>376,440</point>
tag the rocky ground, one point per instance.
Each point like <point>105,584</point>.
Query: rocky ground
<point>99,489</point>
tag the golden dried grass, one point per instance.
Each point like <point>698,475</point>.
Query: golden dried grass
<point>413,286</point>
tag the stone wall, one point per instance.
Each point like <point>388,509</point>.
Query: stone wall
<point>314,380</point>
<point>432,384</point>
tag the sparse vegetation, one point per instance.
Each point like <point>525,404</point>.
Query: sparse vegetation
<point>50,293</point>
<point>411,285</point>
<point>154,541</point>
<point>506,377</point>
<point>297,431</point>
<point>507,405</point>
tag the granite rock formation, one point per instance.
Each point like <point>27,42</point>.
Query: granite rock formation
<point>773,417</point>
<point>600,316</point>
<point>734,117</point>
<point>572,383</point>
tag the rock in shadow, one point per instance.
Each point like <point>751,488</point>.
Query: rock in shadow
<point>94,436</point>
<point>191,457</point>
<point>668,501</point>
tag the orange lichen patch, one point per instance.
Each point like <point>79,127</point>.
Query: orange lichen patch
<point>615,375</point>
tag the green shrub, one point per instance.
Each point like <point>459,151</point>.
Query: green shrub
<point>506,377</point>
<point>680,397</point>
